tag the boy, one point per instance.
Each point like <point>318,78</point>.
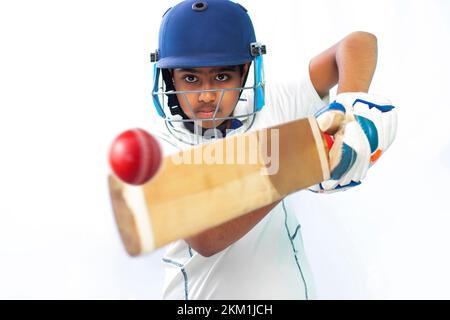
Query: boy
<point>207,53</point>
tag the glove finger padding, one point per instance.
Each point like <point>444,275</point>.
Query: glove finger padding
<point>366,131</point>
<point>331,118</point>
<point>389,120</point>
<point>377,118</point>
<point>349,156</point>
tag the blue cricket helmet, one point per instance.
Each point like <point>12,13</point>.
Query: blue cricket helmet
<point>205,34</point>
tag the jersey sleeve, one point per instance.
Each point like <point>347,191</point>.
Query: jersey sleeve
<point>291,99</point>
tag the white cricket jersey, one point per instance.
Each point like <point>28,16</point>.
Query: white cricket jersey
<point>269,262</point>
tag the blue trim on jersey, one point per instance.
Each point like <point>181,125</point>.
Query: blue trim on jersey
<point>294,249</point>
<point>186,290</point>
<point>190,251</point>
<point>177,264</point>
<point>183,271</point>
<point>295,233</point>
<point>235,123</point>
<point>385,108</point>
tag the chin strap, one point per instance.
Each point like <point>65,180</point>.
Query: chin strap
<point>172,100</point>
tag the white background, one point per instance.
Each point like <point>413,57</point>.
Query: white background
<point>75,73</point>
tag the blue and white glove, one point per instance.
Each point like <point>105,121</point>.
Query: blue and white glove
<point>363,127</point>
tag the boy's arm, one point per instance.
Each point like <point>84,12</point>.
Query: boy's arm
<point>351,63</point>
<point>218,238</point>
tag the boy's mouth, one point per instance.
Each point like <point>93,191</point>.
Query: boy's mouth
<point>205,113</point>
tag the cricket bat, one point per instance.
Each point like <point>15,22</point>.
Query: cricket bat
<point>207,185</point>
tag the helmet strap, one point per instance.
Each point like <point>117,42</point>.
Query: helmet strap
<point>172,100</point>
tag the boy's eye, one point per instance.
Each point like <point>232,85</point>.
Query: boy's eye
<point>190,78</point>
<point>222,77</point>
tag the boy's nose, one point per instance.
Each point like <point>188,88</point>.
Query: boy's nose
<point>207,96</point>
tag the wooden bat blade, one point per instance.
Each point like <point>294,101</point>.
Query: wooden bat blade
<point>210,184</point>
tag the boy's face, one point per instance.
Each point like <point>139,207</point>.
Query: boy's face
<point>204,104</point>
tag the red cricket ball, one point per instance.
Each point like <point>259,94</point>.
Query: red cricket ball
<point>135,156</point>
